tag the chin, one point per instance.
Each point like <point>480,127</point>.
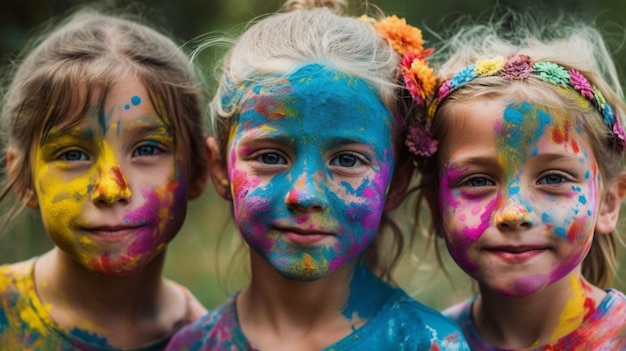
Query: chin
<point>520,288</point>
<point>305,275</point>
<point>118,266</point>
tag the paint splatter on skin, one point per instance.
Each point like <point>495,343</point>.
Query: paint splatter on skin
<point>310,161</point>
<point>111,189</point>
<point>578,308</point>
<point>524,183</point>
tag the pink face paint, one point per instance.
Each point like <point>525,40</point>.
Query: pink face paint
<point>517,202</point>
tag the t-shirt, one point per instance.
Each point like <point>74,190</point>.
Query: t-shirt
<point>25,324</point>
<point>400,323</point>
<point>603,330</point>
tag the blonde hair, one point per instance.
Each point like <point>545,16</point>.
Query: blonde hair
<point>83,58</point>
<point>316,32</point>
<point>567,42</point>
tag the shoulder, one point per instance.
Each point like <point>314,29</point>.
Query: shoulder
<point>194,307</point>
<point>16,278</point>
<point>461,311</point>
<point>604,329</point>
<point>429,316</point>
<point>214,328</point>
<point>409,319</point>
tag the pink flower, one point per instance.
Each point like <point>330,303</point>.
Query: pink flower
<point>620,135</point>
<point>517,67</point>
<point>581,84</point>
<point>444,90</point>
<point>420,141</point>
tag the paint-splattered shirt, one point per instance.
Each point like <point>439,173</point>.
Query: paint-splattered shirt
<point>401,323</point>
<point>602,330</point>
<point>25,324</point>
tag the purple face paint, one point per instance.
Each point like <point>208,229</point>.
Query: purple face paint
<point>311,158</point>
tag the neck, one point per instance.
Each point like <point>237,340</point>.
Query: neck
<point>274,310</point>
<point>56,272</point>
<point>540,319</point>
<point>126,311</point>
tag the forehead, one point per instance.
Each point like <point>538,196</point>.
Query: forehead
<point>311,95</point>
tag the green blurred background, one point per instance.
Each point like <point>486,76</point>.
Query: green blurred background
<point>207,256</point>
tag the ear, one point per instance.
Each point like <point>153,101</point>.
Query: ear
<point>198,184</point>
<point>218,169</point>
<point>399,184</point>
<point>610,206</point>
<point>22,188</point>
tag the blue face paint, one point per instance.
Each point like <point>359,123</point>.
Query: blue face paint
<point>311,158</point>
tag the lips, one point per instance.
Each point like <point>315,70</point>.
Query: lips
<point>308,236</point>
<point>112,233</point>
<point>516,254</point>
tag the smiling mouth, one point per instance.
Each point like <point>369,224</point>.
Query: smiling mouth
<point>304,237</point>
<point>113,234</point>
<point>516,254</point>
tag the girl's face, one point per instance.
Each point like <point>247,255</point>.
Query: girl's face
<point>519,194</point>
<point>310,159</point>
<point>112,189</point>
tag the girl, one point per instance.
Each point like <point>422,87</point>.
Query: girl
<point>527,182</point>
<point>310,133</point>
<point>104,136</point>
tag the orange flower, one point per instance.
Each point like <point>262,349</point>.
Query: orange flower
<point>419,78</point>
<point>402,36</point>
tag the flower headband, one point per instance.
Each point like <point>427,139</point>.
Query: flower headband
<point>516,67</point>
<point>419,78</point>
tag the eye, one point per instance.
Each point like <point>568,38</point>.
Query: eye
<point>552,179</point>
<point>346,160</point>
<point>479,181</point>
<point>272,158</point>
<point>146,150</point>
<point>74,155</point>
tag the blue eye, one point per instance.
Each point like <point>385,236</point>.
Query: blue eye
<point>272,158</point>
<point>146,150</point>
<point>346,160</point>
<point>479,181</point>
<point>552,179</point>
<point>74,155</point>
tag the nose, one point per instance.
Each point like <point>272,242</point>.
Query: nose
<point>110,185</point>
<point>513,215</point>
<point>305,195</point>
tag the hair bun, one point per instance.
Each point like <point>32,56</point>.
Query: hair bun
<point>337,6</point>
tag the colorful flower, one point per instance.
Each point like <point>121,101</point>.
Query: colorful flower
<point>620,135</point>
<point>598,98</point>
<point>466,75</point>
<point>402,36</point>
<point>444,90</point>
<point>581,84</point>
<point>419,79</point>
<point>517,67</point>
<point>489,67</point>
<point>609,117</point>
<point>420,141</point>
<point>553,73</point>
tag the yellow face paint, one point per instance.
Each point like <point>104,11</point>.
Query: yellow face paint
<point>112,189</point>
<point>111,184</point>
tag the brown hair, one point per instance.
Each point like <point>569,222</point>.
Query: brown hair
<point>54,83</point>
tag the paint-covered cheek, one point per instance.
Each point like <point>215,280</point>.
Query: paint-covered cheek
<point>362,203</point>
<point>60,197</point>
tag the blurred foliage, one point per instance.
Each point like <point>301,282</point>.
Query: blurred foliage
<point>207,255</point>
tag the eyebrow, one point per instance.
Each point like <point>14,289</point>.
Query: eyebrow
<point>141,127</point>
